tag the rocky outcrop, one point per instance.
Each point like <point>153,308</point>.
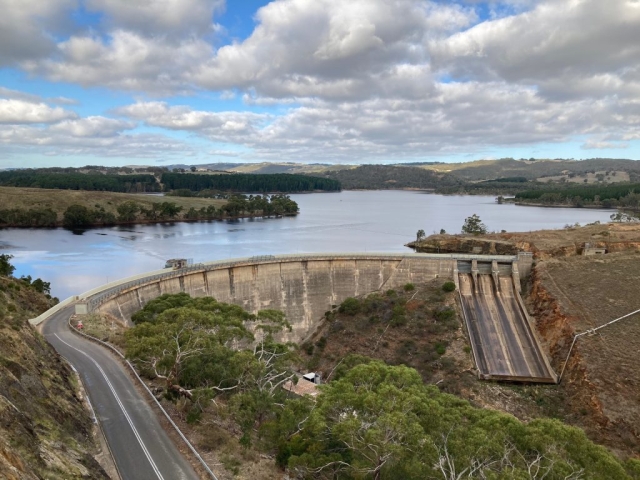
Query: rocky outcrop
<point>45,428</point>
<point>465,244</point>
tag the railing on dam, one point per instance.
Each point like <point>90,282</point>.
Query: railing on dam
<point>97,296</point>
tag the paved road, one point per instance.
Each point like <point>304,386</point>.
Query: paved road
<point>503,343</point>
<point>141,448</point>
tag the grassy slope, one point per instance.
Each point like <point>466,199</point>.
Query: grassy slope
<point>60,200</point>
<point>491,169</point>
<point>45,431</point>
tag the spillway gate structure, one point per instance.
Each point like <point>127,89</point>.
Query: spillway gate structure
<point>504,341</point>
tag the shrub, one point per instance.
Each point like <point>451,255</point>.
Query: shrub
<point>409,287</point>
<point>308,348</point>
<point>444,314</point>
<point>77,216</point>
<point>321,343</point>
<point>449,286</point>
<point>6,269</point>
<point>350,306</point>
<point>440,348</point>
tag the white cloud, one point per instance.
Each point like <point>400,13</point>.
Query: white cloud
<point>587,41</point>
<point>128,61</point>
<point>26,28</point>
<point>330,48</point>
<point>358,80</point>
<point>603,145</point>
<point>159,17</point>
<point>95,127</point>
<point>300,48</point>
<point>14,111</point>
<point>223,153</point>
<point>453,118</point>
<point>17,139</point>
<point>214,125</point>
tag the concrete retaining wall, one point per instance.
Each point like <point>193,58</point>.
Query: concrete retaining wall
<point>304,287</point>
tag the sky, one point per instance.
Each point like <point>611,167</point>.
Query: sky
<point>158,82</point>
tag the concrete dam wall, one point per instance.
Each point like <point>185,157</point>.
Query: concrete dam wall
<point>303,287</point>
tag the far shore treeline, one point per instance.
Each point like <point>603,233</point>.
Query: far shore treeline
<point>149,183</point>
<point>248,182</point>
<point>606,196</point>
<point>134,183</point>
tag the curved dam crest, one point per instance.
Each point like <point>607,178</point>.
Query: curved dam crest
<point>303,287</point>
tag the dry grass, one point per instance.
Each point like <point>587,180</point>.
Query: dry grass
<point>452,167</point>
<point>569,241</point>
<point>590,178</point>
<point>60,200</point>
<point>106,329</point>
<point>594,291</point>
<point>398,328</point>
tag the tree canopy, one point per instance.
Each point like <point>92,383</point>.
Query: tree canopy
<point>133,183</point>
<point>473,225</point>
<point>254,183</point>
<point>381,422</point>
<point>613,195</point>
<point>372,421</point>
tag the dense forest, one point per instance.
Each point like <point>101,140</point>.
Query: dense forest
<point>386,177</point>
<point>607,196</point>
<point>249,183</point>
<point>372,420</point>
<point>134,183</point>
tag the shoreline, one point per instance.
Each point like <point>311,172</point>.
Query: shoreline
<point>592,207</point>
<point>145,222</point>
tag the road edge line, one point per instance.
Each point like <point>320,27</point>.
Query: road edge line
<point>168,417</point>
<point>95,417</point>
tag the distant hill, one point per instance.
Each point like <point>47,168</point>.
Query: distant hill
<point>537,169</point>
<point>387,177</point>
<point>264,167</point>
<point>503,176</point>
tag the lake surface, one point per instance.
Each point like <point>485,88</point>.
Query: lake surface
<point>367,221</point>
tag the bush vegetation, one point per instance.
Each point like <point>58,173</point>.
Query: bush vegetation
<point>79,216</point>
<point>372,420</point>
<point>616,195</point>
<point>379,421</point>
<point>448,286</point>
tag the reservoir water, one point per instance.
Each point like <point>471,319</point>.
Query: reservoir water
<point>350,221</point>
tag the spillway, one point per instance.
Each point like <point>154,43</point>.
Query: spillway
<point>504,344</point>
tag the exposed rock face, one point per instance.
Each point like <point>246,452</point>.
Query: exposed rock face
<point>45,429</point>
<point>464,244</point>
<point>557,329</point>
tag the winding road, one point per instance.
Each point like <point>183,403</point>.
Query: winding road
<point>141,448</point>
